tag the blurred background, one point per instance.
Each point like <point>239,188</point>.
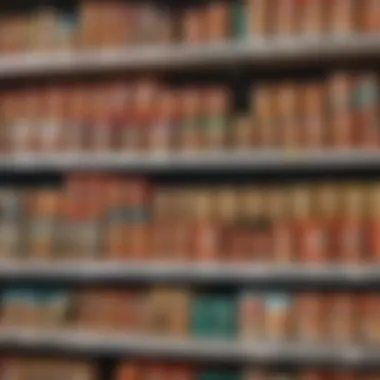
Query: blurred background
<point>189,190</point>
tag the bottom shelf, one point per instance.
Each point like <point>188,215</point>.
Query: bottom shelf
<point>119,345</point>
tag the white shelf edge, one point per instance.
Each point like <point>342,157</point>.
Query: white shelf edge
<point>200,161</point>
<point>122,344</point>
<point>187,272</point>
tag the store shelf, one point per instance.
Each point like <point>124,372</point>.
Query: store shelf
<point>200,162</point>
<point>97,344</point>
<point>104,272</point>
<point>257,52</point>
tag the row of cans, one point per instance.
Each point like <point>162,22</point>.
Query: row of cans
<point>13,368</point>
<point>339,112</point>
<point>109,24</point>
<point>111,217</point>
<point>167,312</point>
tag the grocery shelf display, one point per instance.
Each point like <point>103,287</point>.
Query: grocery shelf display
<point>190,190</point>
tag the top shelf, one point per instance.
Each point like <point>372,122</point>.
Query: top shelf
<point>258,52</point>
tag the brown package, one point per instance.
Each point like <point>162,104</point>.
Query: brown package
<point>288,116</point>
<point>217,20</point>
<point>310,324</point>
<point>369,317</point>
<point>309,235</point>
<point>350,228</point>
<point>372,229</point>
<point>192,104</point>
<point>163,320</point>
<point>263,104</point>
<point>370,16</point>
<point>260,12</point>
<point>193,24</point>
<point>281,216</point>
<point>313,17</point>
<point>76,119</point>
<point>162,133</point>
<point>52,109</point>
<point>286,17</point>
<point>128,371</point>
<point>244,133</point>
<point>342,17</point>
<point>216,112</point>
<point>92,24</point>
<point>43,223</point>
<point>251,316</point>
<point>342,318</point>
<point>314,129</point>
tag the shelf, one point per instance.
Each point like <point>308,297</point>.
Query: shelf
<point>199,162</point>
<point>103,272</point>
<point>256,52</point>
<point>119,345</point>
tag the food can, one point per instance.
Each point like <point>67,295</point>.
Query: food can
<point>342,320</point>
<point>313,17</point>
<point>217,21</point>
<point>310,323</point>
<point>193,25</point>
<point>285,20</point>
<point>342,17</point>
<point>277,316</point>
<point>251,316</point>
<point>350,229</point>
